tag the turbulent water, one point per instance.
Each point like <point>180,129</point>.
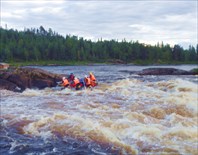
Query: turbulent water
<point>124,114</point>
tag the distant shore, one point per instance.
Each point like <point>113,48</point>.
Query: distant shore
<point>89,63</point>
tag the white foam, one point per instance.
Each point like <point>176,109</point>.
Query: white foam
<point>120,113</point>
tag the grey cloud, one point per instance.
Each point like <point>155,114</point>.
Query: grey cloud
<point>154,20</point>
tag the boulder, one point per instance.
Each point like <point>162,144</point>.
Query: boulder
<point>4,84</point>
<point>29,78</point>
<point>164,71</point>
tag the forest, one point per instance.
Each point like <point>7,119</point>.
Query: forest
<point>39,44</point>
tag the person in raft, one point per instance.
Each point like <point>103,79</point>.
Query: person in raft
<point>65,82</point>
<point>87,81</point>
<point>93,79</point>
<point>71,77</point>
<point>90,81</point>
<point>74,82</point>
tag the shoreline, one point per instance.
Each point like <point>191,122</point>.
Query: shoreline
<point>83,63</point>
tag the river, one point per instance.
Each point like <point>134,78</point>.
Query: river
<point>124,114</point>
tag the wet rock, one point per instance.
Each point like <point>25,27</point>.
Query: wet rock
<point>164,71</point>
<point>4,84</point>
<point>28,78</point>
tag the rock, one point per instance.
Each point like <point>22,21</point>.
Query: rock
<point>4,66</point>
<point>42,83</point>
<point>21,80</point>
<point>164,71</point>
<point>4,84</point>
<point>29,78</point>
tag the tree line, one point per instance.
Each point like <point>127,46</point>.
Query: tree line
<point>40,44</point>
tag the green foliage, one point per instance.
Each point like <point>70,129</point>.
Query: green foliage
<point>39,46</point>
<point>195,70</point>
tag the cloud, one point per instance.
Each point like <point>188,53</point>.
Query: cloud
<point>173,22</point>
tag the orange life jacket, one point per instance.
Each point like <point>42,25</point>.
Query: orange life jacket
<point>92,77</point>
<point>65,83</point>
<point>75,82</point>
<point>87,81</point>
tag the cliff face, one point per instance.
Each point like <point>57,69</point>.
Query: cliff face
<point>18,79</point>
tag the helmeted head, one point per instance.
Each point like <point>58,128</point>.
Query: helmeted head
<point>71,76</point>
<point>63,78</point>
<point>90,73</point>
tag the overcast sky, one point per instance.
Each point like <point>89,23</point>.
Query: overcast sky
<point>148,21</point>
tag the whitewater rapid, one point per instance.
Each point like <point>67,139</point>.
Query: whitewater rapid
<point>126,116</point>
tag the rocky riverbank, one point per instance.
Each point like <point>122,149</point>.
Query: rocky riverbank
<point>18,79</point>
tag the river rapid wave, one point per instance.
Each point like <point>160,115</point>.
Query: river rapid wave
<point>123,116</point>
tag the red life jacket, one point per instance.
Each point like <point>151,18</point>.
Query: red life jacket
<point>75,82</point>
<point>94,83</point>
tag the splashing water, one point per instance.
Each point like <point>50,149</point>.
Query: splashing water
<point>126,116</point>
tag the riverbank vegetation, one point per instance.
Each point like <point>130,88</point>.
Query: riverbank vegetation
<point>46,47</point>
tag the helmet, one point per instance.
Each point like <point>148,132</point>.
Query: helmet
<point>63,78</point>
<point>71,75</point>
<point>90,72</point>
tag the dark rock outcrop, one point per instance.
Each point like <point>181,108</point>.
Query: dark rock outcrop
<point>22,78</point>
<point>164,71</point>
<point>4,84</point>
